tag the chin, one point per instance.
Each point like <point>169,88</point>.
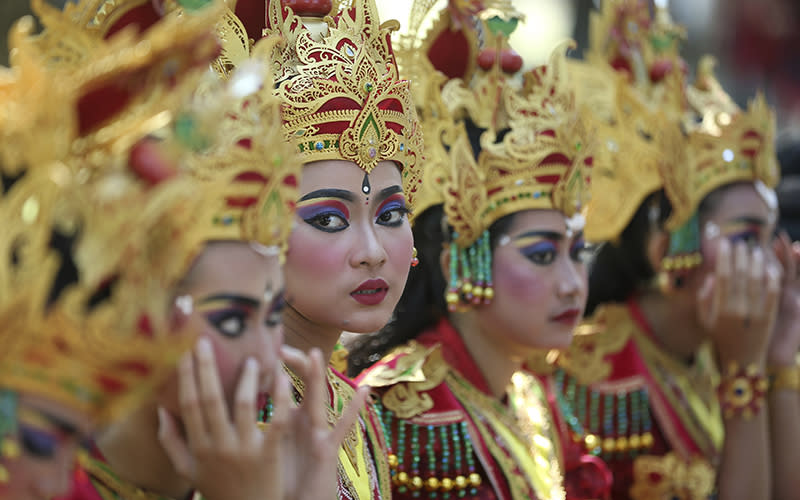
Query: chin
<point>366,322</point>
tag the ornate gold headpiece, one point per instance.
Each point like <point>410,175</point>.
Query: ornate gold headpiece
<point>341,94</point>
<point>534,148</point>
<point>637,146</point>
<point>725,145</point>
<point>541,162</point>
<point>90,257</point>
<point>255,168</point>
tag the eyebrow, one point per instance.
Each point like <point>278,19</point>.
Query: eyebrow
<point>552,235</point>
<point>231,297</point>
<point>387,192</point>
<point>330,193</point>
<point>748,219</point>
<point>62,425</point>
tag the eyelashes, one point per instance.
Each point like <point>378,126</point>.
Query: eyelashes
<point>392,211</point>
<point>545,252</point>
<point>229,322</point>
<point>329,216</point>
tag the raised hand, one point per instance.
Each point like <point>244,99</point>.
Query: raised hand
<point>224,454</point>
<point>785,341</point>
<point>312,444</point>
<point>738,303</point>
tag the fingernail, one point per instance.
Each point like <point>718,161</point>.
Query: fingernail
<point>251,364</point>
<point>204,347</point>
<point>162,417</point>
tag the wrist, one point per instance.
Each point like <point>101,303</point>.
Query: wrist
<point>784,377</point>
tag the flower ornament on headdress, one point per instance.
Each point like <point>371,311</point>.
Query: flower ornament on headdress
<point>90,256</point>
<point>341,94</point>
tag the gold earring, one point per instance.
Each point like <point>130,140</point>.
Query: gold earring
<point>414,259</point>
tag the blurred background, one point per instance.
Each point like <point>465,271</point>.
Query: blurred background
<point>757,44</point>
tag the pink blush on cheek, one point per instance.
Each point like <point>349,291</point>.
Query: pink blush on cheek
<point>227,365</point>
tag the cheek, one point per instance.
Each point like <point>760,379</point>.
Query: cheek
<point>312,258</point>
<point>399,247</point>
<point>518,282</point>
<point>229,356</point>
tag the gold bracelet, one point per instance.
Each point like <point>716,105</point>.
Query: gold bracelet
<point>742,390</point>
<point>784,377</point>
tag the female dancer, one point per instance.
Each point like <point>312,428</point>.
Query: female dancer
<point>77,353</point>
<point>687,283</point>
<point>500,233</point>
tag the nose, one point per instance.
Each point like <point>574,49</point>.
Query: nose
<point>368,249</point>
<point>571,280</point>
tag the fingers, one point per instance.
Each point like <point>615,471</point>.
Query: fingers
<point>189,401</point>
<point>282,405</point>
<point>705,299</point>
<point>350,415</point>
<point>315,397</point>
<point>212,397</point>
<point>174,445</point>
<point>754,306</point>
<point>738,287</point>
<point>245,411</point>
<point>721,282</point>
<point>773,291</point>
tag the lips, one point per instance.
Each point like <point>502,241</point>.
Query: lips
<point>370,292</point>
<point>568,317</point>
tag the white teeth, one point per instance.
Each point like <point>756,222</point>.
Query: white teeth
<point>368,292</point>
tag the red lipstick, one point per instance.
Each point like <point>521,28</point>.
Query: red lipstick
<point>371,292</point>
<point>568,317</point>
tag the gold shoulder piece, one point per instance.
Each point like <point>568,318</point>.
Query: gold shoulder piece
<point>408,372</point>
<point>604,334</point>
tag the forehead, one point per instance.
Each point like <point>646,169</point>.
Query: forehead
<point>340,174</point>
<point>234,267</point>
<point>740,201</point>
<point>538,220</point>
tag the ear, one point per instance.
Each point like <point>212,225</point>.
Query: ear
<point>656,248</point>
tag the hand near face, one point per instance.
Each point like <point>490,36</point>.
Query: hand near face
<point>224,453</point>
<point>738,302</point>
<point>312,446</point>
<point>786,338</point>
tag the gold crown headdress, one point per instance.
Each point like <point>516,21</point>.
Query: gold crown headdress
<point>632,80</point>
<point>255,170</point>
<point>89,264</point>
<point>340,91</point>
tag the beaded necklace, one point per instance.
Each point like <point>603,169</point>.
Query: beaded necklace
<point>627,424</point>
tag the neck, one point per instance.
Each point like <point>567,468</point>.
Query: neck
<point>673,323</point>
<point>134,453</point>
<point>493,359</point>
<point>302,333</point>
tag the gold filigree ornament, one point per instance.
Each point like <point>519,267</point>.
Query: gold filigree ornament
<point>129,87</point>
<point>636,144</point>
<point>89,259</point>
<point>341,93</point>
<point>543,161</point>
<point>725,143</point>
<point>669,477</point>
<point>247,155</point>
